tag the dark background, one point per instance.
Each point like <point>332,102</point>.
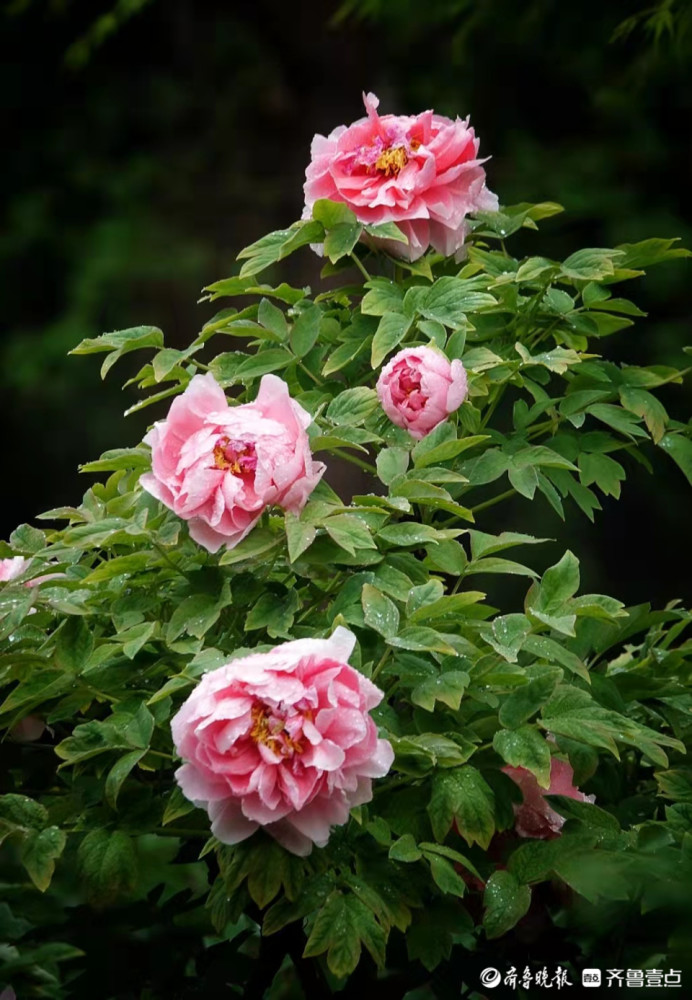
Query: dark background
<point>147,141</point>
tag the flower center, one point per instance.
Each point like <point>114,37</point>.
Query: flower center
<point>391,161</point>
<point>236,457</point>
<point>273,731</point>
<point>409,380</point>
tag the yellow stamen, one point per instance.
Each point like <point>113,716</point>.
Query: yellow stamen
<point>391,161</point>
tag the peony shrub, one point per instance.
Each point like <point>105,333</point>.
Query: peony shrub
<point>273,726</point>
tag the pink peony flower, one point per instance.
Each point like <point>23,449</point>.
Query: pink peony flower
<point>10,569</point>
<point>419,388</point>
<point>27,730</point>
<point>282,740</point>
<point>218,466</point>
<point>534,817</point>
<point>420,171</point>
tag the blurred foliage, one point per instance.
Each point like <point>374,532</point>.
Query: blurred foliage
<point>157,138</point>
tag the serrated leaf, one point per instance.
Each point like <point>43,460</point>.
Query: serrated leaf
<point>461,794</point>
<point>525,747</point>
<point>506,901</point>
<point>299,535</point>
<point>195,615</point>
<point>448,688</point>
<point>529,698</point>
<point>383,296</point>
<point>40,850</point>
<point>107,863</point>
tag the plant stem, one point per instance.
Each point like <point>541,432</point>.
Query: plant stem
<point>354,460</point>
<point>493,406</point>
<point>383,659</point>
<point>359,264</point>
<point>315,379</point>
<point>491,503</point>
<point>162,552</point>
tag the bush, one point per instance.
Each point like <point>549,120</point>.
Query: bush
<point>109,623</point>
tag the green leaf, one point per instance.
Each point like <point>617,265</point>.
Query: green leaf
<point>483,544</point>
<point>380,613</point>
<point>423,595</point>
<point>23,812</point>
<point>277,245</point>
<point>506,901</point>
<point>299,535</point>
<point>588,813</point>
<point>349,532</point>
<point>332,213</point>
<point>387,231</point>
<point>306,330</point>
<point>272,318</point>
<point>119,458</point>
<point>123,730</point>
<point>266,872</point>
<point>421,639</point>
<point>335,931</point>
<point>258,543</point>
<point>391,462</point>
<point>340,241</point>
<point>274,612</point>
<point>646,406</point>
<point>410,533</point>
<point>554,652</point>
<point>648,252</point>
<point>591,264</point>
<point>450,606</point>
<point>462,795</point>
<point>446,878</point>
<point>495,565</point>
<point>680,450</point>
<point>524,479</point>
<point>195,615</point>
<point>507,635</point>
<point>558,584</point>
<point>405,849</point>
<point>383,297</point>
<point>617,418</point>
<point>392,329</point>
<point>107,863</point>
<point>485,469</point>
<point>40,850</point>
<point>448,299</point>
<point>119,343</point>
<point>530,697</point>
<point>263,362</point>
<point>118,774</point>
<point>427,452</point>
<point>525,747</point>
<point>74,645</point>
<point>602,470</point>
<point>448,688</point>
<point>352,406</point>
